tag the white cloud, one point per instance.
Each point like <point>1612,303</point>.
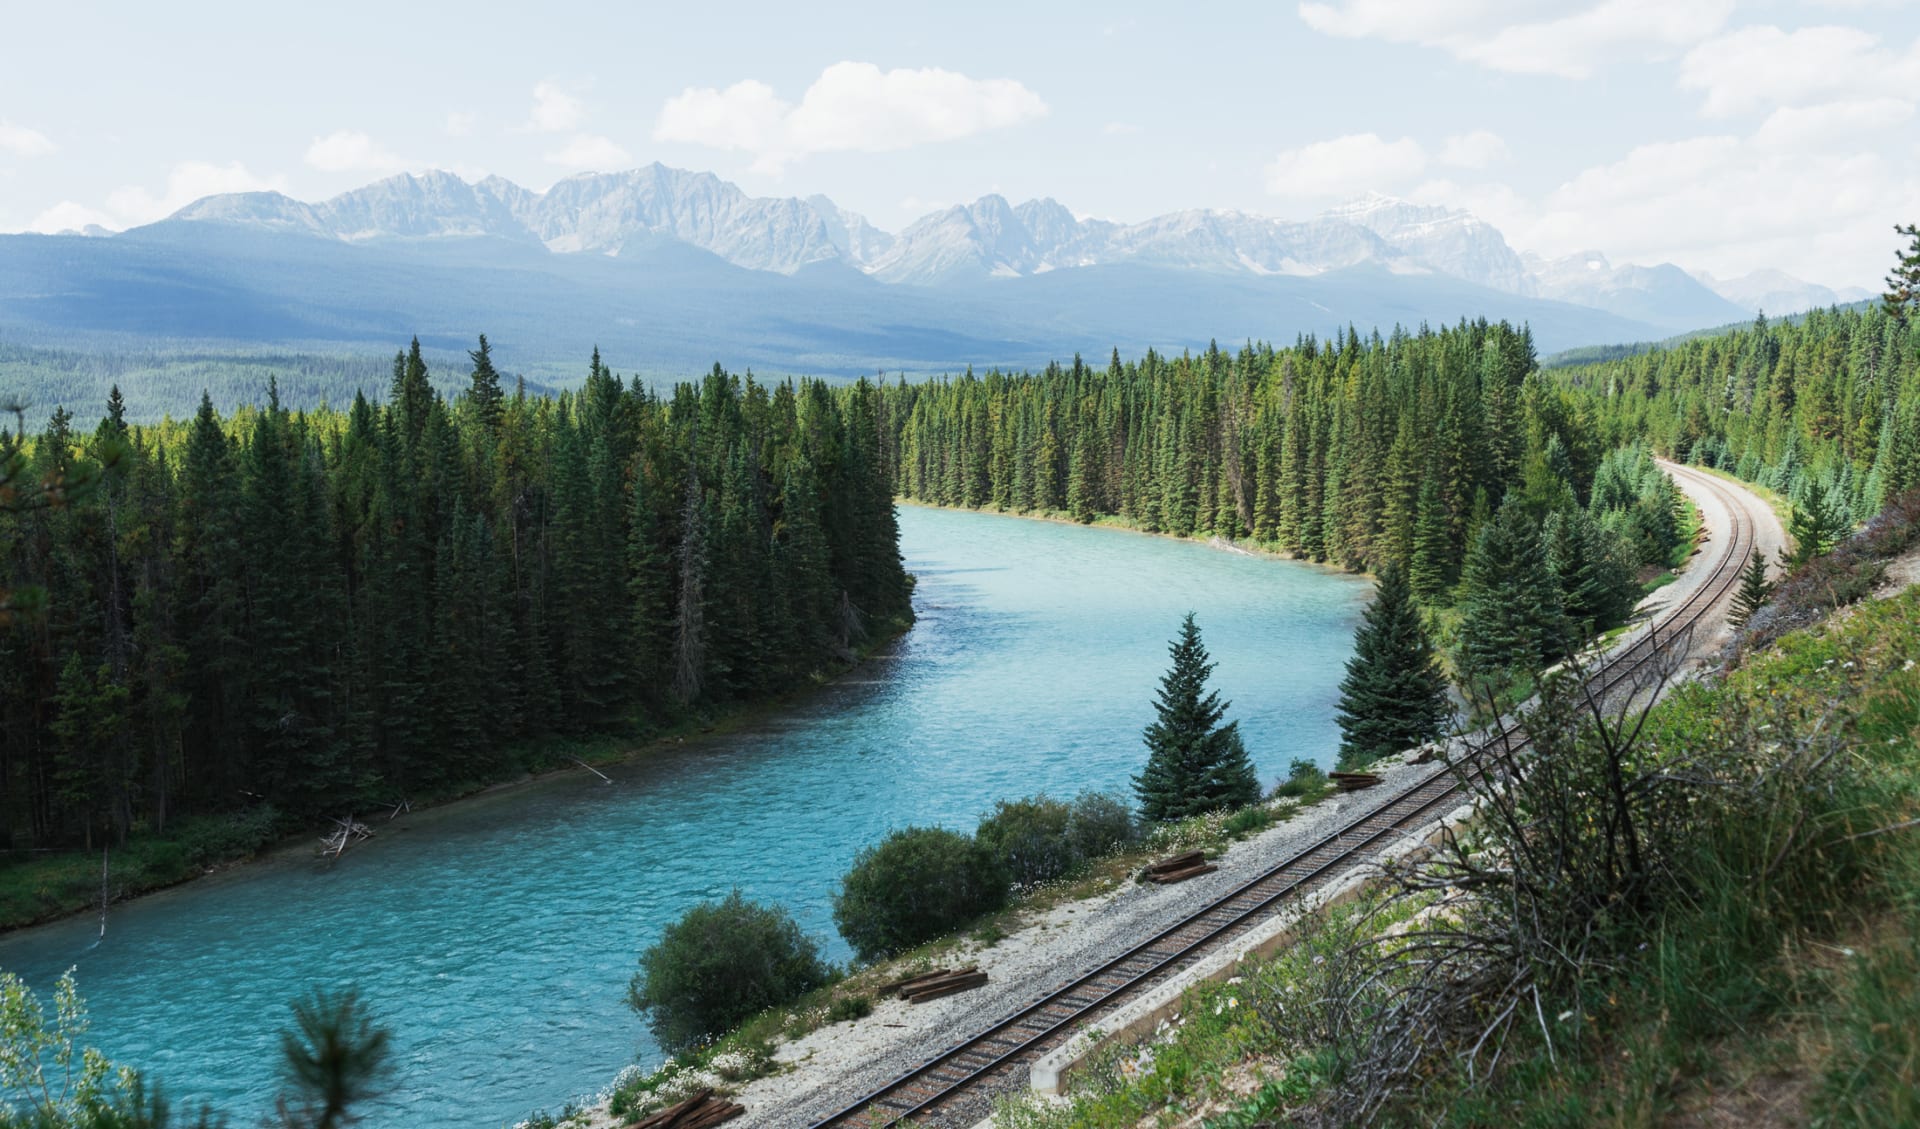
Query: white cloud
<point>1568,38</point>
<point>23,142</point>
<point>1474,150</point>
<point>589,152</point>
<point>135,204</point>
<point>69,216</point>
<point>348,150</point>
<point>554,110</point>
<point>1759,67</point>
<point>850,107</point>
<point>1360,162</point>
<point>1832,124</point>
<point>1119,129</point>
<point>1731,204</point>
<point>460,124</point>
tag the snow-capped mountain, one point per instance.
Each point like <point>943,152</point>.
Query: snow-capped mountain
<point>991,238</point>
<point>1663,295</point>
<point>1777,292</point>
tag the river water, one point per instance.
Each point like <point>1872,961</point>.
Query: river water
<point>495,937</point>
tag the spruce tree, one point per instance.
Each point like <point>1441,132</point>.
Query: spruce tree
<point>1195,764</point>
<point>483,391</point>
<point>1816,527</point>
<point>1394,696</point>
<point>1754,589</point>
<point>1513,620</point>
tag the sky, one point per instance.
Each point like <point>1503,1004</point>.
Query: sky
<point>1722,135</point>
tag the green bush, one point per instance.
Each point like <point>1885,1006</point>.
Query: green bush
<point>1039,839</point>
<point>721,963</point>
<point>1102,824</point>
<point>1304,781</point>
<point>917,884</point>
<point>846,1009</point>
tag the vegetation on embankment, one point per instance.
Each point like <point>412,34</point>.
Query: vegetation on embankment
<point>1759,961</point>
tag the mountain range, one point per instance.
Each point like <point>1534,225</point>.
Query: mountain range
<point>668,269</point>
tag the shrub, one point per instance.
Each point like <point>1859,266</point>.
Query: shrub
<point>846,1009</point>
<point>224,838</point>
<point>917,884</point>
<point>1032,838</point>
<point>721,963</point>
<point>1040,839</point>
<point>1304,780</point>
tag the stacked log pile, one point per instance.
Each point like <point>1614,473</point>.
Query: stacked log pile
<point>1179,868</point>
<point>698,1112</point>
<point>933,985</point>
<point>1353,781</point>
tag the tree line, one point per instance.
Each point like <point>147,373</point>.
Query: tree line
<point>1445,453</point>
<point>1829,403</point>
<point>318,610</point>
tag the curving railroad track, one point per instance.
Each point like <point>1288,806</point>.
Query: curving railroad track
<point>955,1085</point>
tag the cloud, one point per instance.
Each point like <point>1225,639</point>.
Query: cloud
<point>589,151</point>
<point>69,216</point>
<point>850,107</point>
<point>135,204</point>
<point>460,124</point>
<point>554,110</point>
<point>1832,124</point>
<point>1365,162</point>
<point>349,150</point>
<point>1474,150</point>
<point>1759,67</point>
<point>1547,37</point>
<point>1731,204</point>
<point>23,142</point>
<point>1119,129</point>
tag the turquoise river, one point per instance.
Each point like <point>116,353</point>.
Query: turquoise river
<point>496,936</point>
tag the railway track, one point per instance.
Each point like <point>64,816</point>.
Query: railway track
<point>990,1060</point>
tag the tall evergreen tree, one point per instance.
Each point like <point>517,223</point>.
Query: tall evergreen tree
<point>1512,620</point>
<point>1194,763</point>
<point>1817,525</point>
<point>1394,696</point>
<point>1753,591</point>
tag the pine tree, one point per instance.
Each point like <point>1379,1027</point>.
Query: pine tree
<point>1817,525</point>
<point>1394,696</point>
<point>1903,282</point>
<point>483,389</point>
<point>1754,589</point>
<point>1194,763</point>
<point>1512,621</point>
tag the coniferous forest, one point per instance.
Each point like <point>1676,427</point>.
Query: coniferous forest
<point>307,613</point>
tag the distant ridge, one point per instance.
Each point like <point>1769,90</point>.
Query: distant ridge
<point>602,213</point>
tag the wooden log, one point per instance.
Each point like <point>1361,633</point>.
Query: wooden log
<point>701,1111</point>
<point>666,1118</point>
<point>1177,862</point>
<point>901,985</point>
<point>971,975</point>
<point>1353,781</point>
<point>1170,877</point>
<point>947,987</point>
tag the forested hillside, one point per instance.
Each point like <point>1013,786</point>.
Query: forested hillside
<point>304,612</point>
<point>1360,452</point>
<point>1833,399</point>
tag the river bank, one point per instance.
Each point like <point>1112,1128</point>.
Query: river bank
<point>69,883</point>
